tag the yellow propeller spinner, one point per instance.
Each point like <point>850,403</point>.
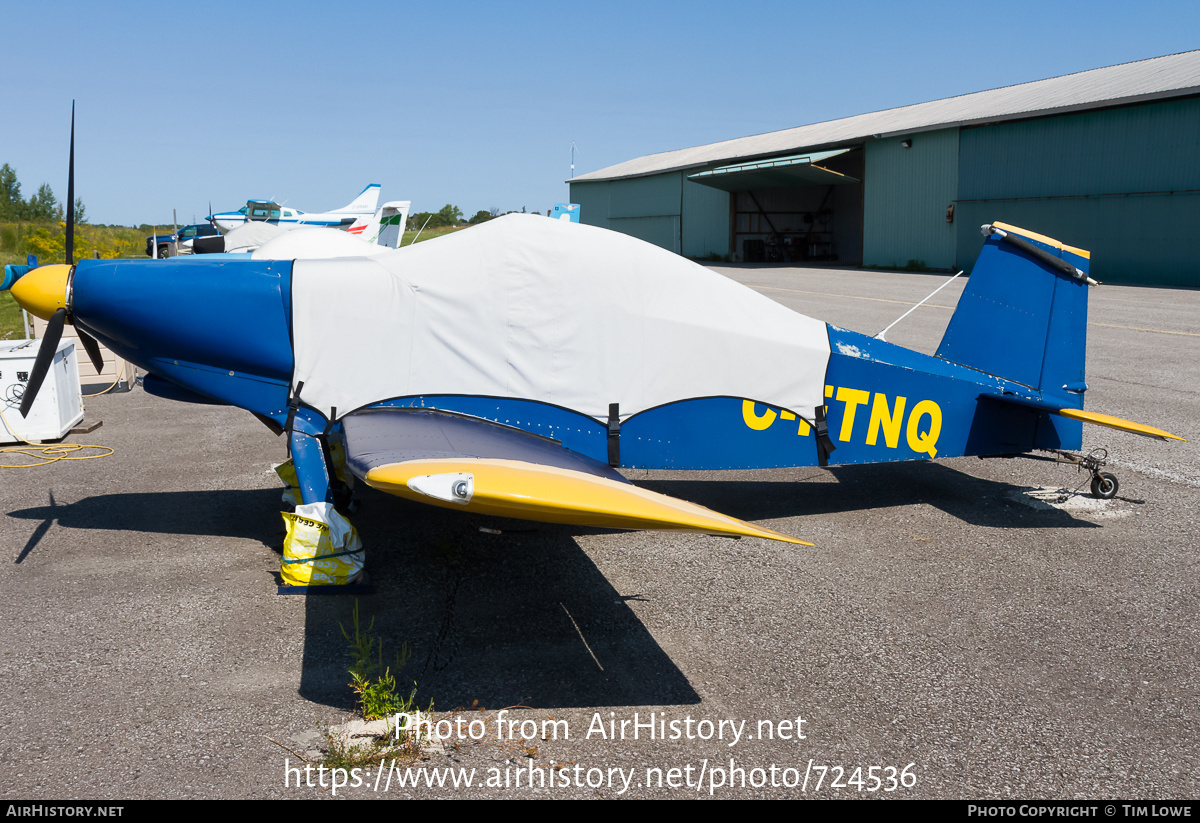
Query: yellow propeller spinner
<point>43,291</point>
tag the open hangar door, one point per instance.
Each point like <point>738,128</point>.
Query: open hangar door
<point>794,209</point>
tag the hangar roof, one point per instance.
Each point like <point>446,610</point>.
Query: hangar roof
<point>1175,75</point>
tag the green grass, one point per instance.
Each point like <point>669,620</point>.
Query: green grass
<point>428,234</point>
<point>11,327</point>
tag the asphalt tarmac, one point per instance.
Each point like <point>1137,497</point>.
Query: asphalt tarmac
<point>947,637</point>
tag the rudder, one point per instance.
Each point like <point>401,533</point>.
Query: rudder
<point>1023,314</point>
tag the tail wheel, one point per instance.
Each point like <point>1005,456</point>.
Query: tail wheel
<point>1104,485</point>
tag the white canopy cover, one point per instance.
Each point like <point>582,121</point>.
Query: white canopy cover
<point>547,310</point>
<point>314,243</point>
<point>250,235</point>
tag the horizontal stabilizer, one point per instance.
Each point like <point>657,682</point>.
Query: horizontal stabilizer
<point>460,462</point>
<point>1117,423</point>
<point>528,491</point>
<point>1099,419</point>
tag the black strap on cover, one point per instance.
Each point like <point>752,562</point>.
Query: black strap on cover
<point>824,445</point>
<point>293,405</point>
<point>1042,256</point>
<point>614,434</point>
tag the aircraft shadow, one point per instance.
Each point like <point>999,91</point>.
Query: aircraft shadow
<point>187,512</point>
<point>862,488</point>
<point>523,617</point>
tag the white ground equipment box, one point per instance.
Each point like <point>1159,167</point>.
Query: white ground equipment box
<point>59,404</point>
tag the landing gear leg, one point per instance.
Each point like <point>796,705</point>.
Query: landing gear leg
<point>1104,484</point>
<point>322,553</point>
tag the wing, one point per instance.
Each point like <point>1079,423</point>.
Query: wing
<point>467,463</point>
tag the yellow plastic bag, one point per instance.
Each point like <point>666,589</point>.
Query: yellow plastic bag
<point>287,473</point>
<point>321,548</point>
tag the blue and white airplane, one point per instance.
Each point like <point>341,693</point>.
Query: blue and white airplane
<point>268,211</point>
<point>512,368</point>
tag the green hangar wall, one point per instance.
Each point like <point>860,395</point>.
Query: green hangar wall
<point>1123,183</point>
<point>906,192</point>
<point>667,210</point>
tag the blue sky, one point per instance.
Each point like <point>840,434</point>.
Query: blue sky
<point>477,103</point>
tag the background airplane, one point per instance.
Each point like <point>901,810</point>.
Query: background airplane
<point>268,211</point>
<point>384,229</point>
<point>511,368</point>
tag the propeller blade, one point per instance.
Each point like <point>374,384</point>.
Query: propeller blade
<point>92,348</point>
<point>45,356</point>
<point>71,194</point>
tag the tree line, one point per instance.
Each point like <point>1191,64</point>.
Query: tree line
<point>449,216</point>
<point>41,207</point>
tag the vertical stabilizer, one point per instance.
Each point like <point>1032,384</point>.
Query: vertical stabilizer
<point>1023,314</point>
<point>385,227</point>
<point>365,203</point>
<point>393,220</point>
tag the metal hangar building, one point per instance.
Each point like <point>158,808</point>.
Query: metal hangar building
<point>1107,160</point>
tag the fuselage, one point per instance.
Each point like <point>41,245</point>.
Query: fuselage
<point>268,211</point>
<point>622,353</point>
<point>288,218</point>
<point>224,330</point>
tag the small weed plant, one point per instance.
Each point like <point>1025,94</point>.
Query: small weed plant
<point>379,698</point>
<point>371,680</point>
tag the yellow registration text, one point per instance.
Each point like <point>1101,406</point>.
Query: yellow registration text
<point>762,422</point>
<point>885,417</point>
